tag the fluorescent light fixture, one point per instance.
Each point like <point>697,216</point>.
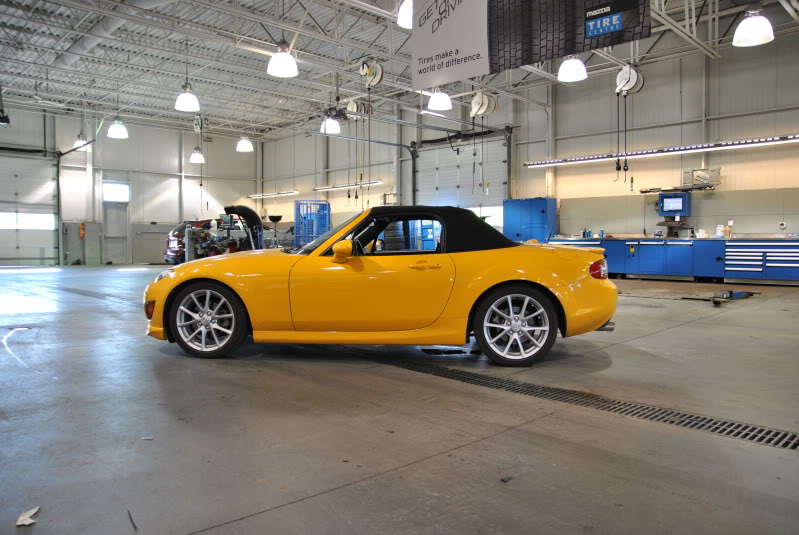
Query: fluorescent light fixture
<point>187,101</point>
<point>754,30</point>
<point>405,15</point>
<point>439,101</point>
<point>572,70</point>
<point>80,143</point>
<point>244,145</point>
<point>330,126</point>
<point>349,186</point>
<point>686,149</point>
<point>282,64</point>
<point>276,194</point>
<point>117,129</point>
<point>116,192</point>
<point>197,156</point>
<point>433,113</point>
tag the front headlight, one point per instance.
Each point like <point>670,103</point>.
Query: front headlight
<point>166,273</point>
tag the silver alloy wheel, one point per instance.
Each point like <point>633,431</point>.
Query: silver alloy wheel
<point>205,320</point>
<point>516,326</point>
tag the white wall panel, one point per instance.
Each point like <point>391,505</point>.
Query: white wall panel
<point>209,200</point>
<point>153,150</point>
<point>221,158</point>
<point>76,194</point>
<point>26,130</point>
<point>153,197</point>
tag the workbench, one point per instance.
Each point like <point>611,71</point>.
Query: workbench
<point>760,259</point>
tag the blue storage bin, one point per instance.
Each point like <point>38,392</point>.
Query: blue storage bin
<point>311,220</point>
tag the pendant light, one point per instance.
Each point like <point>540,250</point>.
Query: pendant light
<point>197,156</point>
<point>80,142</point>
<point>187,101</point>
<point>754,30</point>
<point>572,70</point>
<point>330,126</point>
<point>405,15</point>
<point>282,64</point>
<point>244,145</point>
<point>439,101</point>
<point>117,129</point>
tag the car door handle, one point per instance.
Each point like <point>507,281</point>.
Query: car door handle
<point>425,267</point>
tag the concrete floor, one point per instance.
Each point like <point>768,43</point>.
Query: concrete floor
<point>309,439</point>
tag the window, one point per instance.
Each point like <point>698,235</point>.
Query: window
<point>397,235</point>
<point>18,221</point>
<point>116,192</point>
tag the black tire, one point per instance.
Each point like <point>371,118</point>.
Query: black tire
<point>239,320</point>
<point>543,325</point>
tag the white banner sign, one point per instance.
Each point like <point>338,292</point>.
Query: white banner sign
<point>449,41</point>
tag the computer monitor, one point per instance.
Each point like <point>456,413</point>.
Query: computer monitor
<point>227,220</point>
<point>672,204</point>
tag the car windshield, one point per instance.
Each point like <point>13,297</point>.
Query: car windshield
<point>310,247</point>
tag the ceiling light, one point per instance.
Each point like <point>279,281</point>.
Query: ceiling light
<point>349,186</point>
<point>572,70</point>
<point>187,101</point>
<point>439,101</point>
<point>433,113</point>
<point>80,143</point>
<point>282,64</point>
<point>405,15</point>
<point>117,129</point>
<point>330,126</point>
<point>244,145</point>
<point>754,30</point>
<point>197,156</point>
<point>276,194</point>
<point>686,149</point>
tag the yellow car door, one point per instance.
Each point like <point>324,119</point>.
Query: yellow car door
<point>370,293</point>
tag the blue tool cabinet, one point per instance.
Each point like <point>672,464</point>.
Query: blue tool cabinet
<point>529,219</point>
<point>774,260</point>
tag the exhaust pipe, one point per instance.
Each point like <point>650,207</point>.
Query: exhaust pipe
<point>609,326</point>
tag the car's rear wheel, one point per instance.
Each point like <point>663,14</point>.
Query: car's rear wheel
<point>208,320</point>
<point>515,325</point>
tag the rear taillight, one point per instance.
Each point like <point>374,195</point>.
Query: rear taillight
<point>599,269</point>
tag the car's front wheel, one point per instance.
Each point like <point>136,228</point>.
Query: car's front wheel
<point>208,320</point>
<point>515,325</point>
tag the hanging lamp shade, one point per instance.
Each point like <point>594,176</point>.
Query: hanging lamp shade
<point>80,142</point>
<point>117,129</point>
<point>282,64</point>
<point>572,70</point>
<point>197,156</point>
<point>244,145</point>
<point>330,126</point>
<point>439,101</point>
<point>754,30</point>
<point>405,15</point>
<point>187,101</point>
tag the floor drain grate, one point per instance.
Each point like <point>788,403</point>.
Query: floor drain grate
<point>753,433</point>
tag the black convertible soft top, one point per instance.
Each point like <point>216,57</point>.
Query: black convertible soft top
<point>463,229</point>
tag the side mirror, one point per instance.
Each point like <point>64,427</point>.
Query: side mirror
<point>380,245</point>
<point>342,251</point>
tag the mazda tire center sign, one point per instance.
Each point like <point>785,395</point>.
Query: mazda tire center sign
<point>449,42</point>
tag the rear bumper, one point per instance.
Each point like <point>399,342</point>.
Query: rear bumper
<point>589,305</point>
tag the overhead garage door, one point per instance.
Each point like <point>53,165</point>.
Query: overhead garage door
<point>476,176</point>
<point>28,233</point>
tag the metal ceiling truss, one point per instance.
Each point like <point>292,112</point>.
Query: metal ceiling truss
<point>144,58</point>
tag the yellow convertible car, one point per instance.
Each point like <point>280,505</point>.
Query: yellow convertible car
<point>390,275</point>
